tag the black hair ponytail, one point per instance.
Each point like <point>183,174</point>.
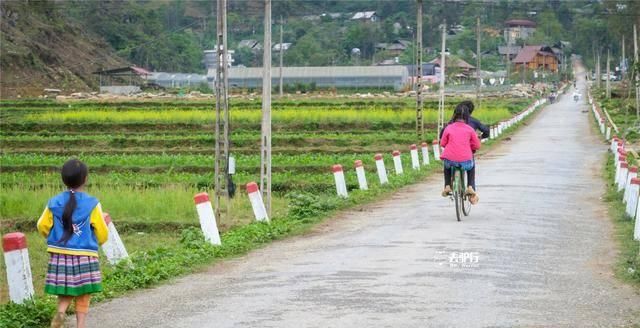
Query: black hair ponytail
<point>74,175</point>
<point>461,112</point>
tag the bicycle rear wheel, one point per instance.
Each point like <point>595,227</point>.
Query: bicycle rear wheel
<point>458,194</point>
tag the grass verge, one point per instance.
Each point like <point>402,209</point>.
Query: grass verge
<point>627,266</point>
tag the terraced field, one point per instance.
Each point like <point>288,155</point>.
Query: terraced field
<point>148,159</point>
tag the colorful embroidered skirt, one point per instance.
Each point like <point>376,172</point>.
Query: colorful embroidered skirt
<point>73,275</point>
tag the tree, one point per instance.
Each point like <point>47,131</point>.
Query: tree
<point>548,31</point>
<point>362,35</point>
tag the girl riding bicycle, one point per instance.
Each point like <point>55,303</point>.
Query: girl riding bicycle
<point>459,141</point>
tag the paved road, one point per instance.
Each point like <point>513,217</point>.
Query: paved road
<point>539,242</point>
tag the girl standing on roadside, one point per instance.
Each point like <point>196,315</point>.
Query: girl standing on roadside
<point>73,224</point>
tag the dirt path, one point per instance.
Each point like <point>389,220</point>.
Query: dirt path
<point>540,237</point>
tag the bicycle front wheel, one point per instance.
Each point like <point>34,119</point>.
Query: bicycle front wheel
<point>465,199</point>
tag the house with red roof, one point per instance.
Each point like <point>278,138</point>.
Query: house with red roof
<point>537,58</point>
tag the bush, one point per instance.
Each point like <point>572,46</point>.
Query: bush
<point>28,315</point>
<point>306,205</point>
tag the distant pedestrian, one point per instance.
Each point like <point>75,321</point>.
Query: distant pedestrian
<point>73,224</point>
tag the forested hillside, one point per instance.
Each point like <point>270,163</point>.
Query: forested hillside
<point>170,35</point>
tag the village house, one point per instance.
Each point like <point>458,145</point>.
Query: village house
<point>518,29</point>
<point>509,51</point>
<point>284,46</point>
<point>537,58</point>
<point>395,48</point>
<point>367,16</point>
<point>251,44</point>
<point>462,68</point>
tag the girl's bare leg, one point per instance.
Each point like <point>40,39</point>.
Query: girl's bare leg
<point>63,303</point>
<point>81,319</point>
<point>82,308</point>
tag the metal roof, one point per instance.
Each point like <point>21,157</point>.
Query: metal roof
<point>323,71</point>
<point>457,62</point>
<point>511,50</point>
<point>364,15</point>
<point>520,22</point>
<point>166,76</point>
<point>122,70</point>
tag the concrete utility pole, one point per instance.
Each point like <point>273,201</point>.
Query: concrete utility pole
<point>608,84</point>
<point>265,155</point>
<point>281,54</point>
<point>222,111</point>
<point>508,61</point>
<point>478,69</point>
<point>598,70</point>
<point>419,116</point>
<point>635,61</point>
<point>623,60</point>
<point>442,78</point>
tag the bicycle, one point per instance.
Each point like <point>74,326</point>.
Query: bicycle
<point>459,194</point>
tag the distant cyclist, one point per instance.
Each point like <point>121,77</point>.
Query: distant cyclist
<point>477,126</point>
<point>459,141</point>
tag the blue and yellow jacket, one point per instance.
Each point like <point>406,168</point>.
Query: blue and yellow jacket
<point>89,227</point>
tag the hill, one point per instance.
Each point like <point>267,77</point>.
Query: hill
<point>40,48</point>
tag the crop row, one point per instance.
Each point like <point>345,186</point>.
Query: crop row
<point>192,132</point>
<point>287,116</point>
<point>177,160</point>
<point>233,103</point>
<point>200,140</point>
<point>88,128</point>
<point>179,151</point>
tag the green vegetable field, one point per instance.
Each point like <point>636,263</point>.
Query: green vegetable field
<point>148,159</point>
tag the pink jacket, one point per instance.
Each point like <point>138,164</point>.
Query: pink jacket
<point>459,141</point>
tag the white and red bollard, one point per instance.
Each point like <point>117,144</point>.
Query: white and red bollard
<point>382,171</point>
<point>207,218</point>
<point>16,259</point>
<point>636,230</point>
<point>608,133</point>
<point>622,155</point>
<point>415,161</point>
<point>619,159</point>
<point>633,173</point>
<point>622,179</point>
<point>616,163</point>
<point>113,248</point>
<point>397,162</point>
<point>614,144</point>
<point>362,178</point>
<point>255,197</point>
<point>634,192</point>
<point>620,144</point>
<point>341,185</point>
<point>425,153</point>
<point>436,150</point>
